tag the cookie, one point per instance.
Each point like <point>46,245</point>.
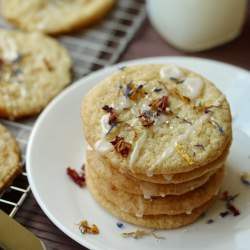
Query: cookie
<point>132,185</point>
<point>34,69</point>
<point>9,158</point>
<point>156,119</point>
<point>55,16</point>
<point>137,205</point>
<point>149,221</point>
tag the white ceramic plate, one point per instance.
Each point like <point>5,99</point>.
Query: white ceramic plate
<point>57,142</point>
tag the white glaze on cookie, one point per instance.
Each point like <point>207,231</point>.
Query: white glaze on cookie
<point>135,153</point>
<point>170,71</point>
<point>194,85</point>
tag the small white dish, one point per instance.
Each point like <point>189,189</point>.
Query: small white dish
<point>57,141</point>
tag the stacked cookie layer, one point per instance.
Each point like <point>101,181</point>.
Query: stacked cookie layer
<point>9,158</point>
<point>159,137</point>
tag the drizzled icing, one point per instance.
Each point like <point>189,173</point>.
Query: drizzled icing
<point>89,148</point>
<point>140,211</point>
<point>102,146</point>
<point>168,177</point>
<point>161,119</point>
<point>170,71</point>
<point>164,155</point>
<point>149,189</point>
<point>121,104</point>
<point>188,212</point>
<point>9,49</point>
<point>104,123</point>
<point>135,153</point>
<point>194,85</point>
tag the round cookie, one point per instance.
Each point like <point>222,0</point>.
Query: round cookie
<point>170,204</point>
<point>34,69</point>
<point>55,16</point>
<point>156,119</point>
<point>129,184</point>
<point>9,158</point>
<point>149,221</point>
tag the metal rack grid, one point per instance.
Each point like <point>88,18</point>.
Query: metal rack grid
<point>91,49</point>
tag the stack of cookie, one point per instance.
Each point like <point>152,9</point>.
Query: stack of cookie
<point>159,136</point>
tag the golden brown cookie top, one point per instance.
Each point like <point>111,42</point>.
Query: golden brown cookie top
<point>33,69</point>
<point>157,119</point>
<point>54,16</point>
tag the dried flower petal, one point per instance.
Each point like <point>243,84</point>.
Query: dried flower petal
<point>108,108</point>
<point>176,93</point>
<point>224,214</point>
<point>16,71</point>
<point>119,224</point>
<point>121,146</point>
<point>204,108</point>
<point>159,104</point>
<point>156,89</point>
<point>133,92</point>
<point>218,126</point>
<point>48,65</point>
<point>180,149</point>
<point>200,146</point>
<point>139,233</point>
<point>18,58</point>
<point>122,68</point>
<point>233,209</point>
<point>85,228</point>
<point>114,124</point>
<point>112,115</point>
<point>187,121</point>
<point>229,199</point>
<point>207,111</point>
<point>146,119</point>
<point>245,178</point>
<point>77,178</point>
<point>210,221</point>
<point>120,87</point>
<point>176,80</point>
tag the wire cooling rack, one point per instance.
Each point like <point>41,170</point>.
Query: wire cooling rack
<point>90,49</point>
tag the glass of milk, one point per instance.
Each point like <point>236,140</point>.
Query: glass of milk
<point>195,25</point>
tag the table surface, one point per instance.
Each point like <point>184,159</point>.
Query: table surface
<point>146,43</point>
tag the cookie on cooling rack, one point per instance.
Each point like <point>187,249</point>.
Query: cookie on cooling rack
<point>9,158</point>
<point>55,16</point>
<point>34,69</point>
